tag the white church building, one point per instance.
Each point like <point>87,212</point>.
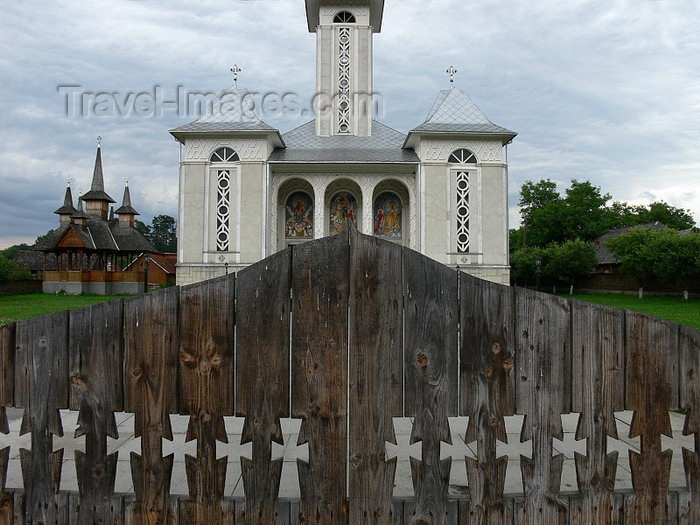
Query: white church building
<point>248,191</point>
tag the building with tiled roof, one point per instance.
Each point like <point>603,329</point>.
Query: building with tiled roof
<point>89,249</point>
<point>248,191</point>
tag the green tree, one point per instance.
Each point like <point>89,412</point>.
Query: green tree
<point>585,214</point>
<point>515,239</point>
<point>523,267</point>
<point>571,261</point>
<point>636,251</point>
<point>550,218</point>
<point>7,267</point>
<point>677,261</point>
<point>541,208</point>
<point>143,228</point>
<point>670,216</point>
<point>582,213</point>
<point>12,251</point>
<point>163,234</point>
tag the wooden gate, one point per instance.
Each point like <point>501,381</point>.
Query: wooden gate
<point>346,333</point>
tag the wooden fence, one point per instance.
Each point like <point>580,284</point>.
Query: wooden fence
<point>346,333</point>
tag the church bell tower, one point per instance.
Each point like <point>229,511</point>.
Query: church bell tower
<point>344,83</point>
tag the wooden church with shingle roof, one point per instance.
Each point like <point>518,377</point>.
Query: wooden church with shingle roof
<point>91,247</point>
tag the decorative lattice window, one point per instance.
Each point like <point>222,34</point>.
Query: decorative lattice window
<point>224,155</point>
<point>462,156</point>
<point>299,222</point>
<point>463,212</point>
<point>388,216</point>
<point>223,211</point>
<point>344,80</point>
<point>344,17</point>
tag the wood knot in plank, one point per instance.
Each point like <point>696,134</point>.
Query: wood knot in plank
<point>423,359</point>
<point>79,383</point>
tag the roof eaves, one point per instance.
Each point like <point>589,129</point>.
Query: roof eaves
<point>409,143</point>
<point>177,132</point>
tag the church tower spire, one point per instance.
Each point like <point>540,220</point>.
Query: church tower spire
<point>64,212</point>
<point>126,212</point>
<point>344,64</point>
<point>96,200</point>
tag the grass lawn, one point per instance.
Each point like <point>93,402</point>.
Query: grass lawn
<point>673,308</point>
<point>25,306</point>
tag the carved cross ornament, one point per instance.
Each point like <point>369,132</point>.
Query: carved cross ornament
<point>235,70</point>
<point>452,72</point>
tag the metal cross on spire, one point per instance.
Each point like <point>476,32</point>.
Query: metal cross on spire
<point>452,71</point>
<point>99,141</point>
<point>235,70</point>
<point>126,180</point>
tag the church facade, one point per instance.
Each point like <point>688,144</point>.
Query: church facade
<point>248,191</point>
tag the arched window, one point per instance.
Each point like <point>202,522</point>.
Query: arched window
<point>224,155</point>
<point>388,215</point>
<point>462,156</point>
<point>299,215</point>
<point>344,17</point>
<point>343,206</point>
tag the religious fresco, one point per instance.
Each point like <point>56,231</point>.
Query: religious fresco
<point>299,217</point>
<point>388,214</point>
<point>343,206</point>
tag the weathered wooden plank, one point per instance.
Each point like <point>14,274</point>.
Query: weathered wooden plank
<point>18,508</point>
<point>262,378</point>
<point>685,512</point>
<point>398,507</point>
<point>295,513</point>
<point>6,512</point>
<point>206,390</point>
<point>650,346</point>
<point>320,275</point>
<point>543,370</point>
<point>7,372</point>
<point>614,515</point>
<point>598,371</point>
<point>111,514</point>
<point>431,365</point>
<point>690,400</point>
<point>470,514</point>
<point>41,387</point>
<point>150,383</point>
<point>376,374</point>
<point>96,360</point>
<point>487,391</point>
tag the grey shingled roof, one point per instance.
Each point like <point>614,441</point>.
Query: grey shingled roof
<point>603,253</point>
<point>100,235</point>
<point>97,190</point>
<point>129,239</point>
<point>126,207</point>
<point>454,112</point>
<point>34,261</point>
<point>231,110</point>
<point>67,208</point>
<point>385,146</point>
<point>80,212</point>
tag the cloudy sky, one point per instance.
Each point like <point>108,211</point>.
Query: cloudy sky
<point>607,91</point>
